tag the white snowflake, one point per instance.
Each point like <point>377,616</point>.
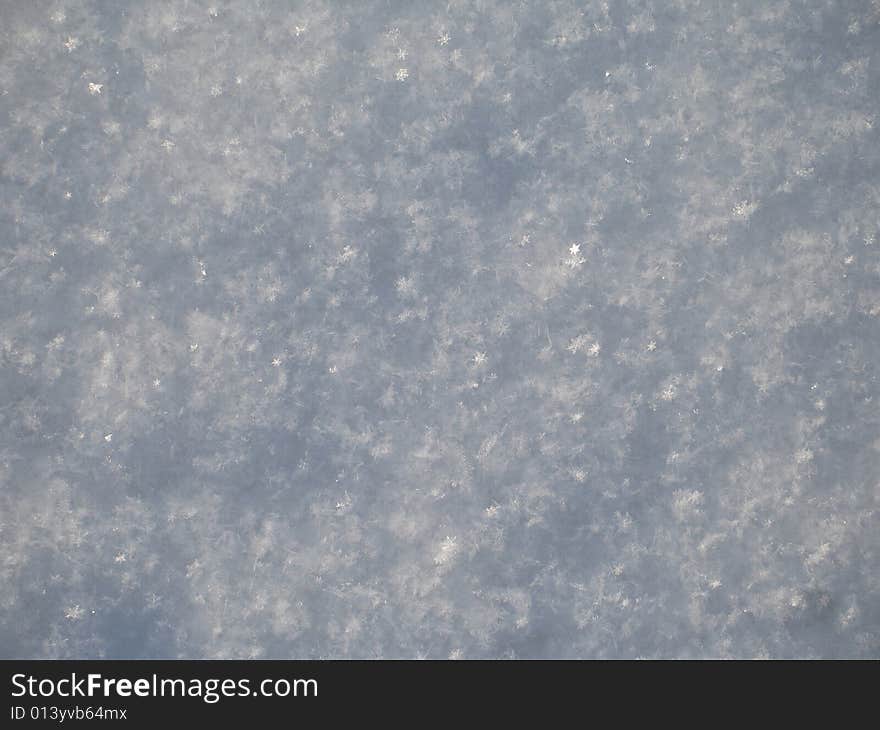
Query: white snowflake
<point>744,209</point>
<point>405,286</point>
<point>447,551</point>
<point>402,74</point>
<point>804,456</point>
<point>348,253</point>
<point>579,343</point>
<point>574,258</point>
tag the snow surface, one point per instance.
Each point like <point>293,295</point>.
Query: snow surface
<point>427,329</point>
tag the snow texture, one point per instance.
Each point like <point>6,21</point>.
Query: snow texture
<point>424,329</point>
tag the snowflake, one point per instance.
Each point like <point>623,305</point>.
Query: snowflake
<point>74,613</point>
<point>402,74</point>
<point>447,551</point>
<point>579,343</point>
<point>574,259</point>
<point>95,89</point>
<point>443,39</point>
<point>803,456</point>
<point>71,44</point>
<point>348,253</point>
<point>276,362</point>
<point>344,503</point>
<point>405,286</point>
<point>652,345</point>
<point>744,209</point>
<point>480,359</point>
